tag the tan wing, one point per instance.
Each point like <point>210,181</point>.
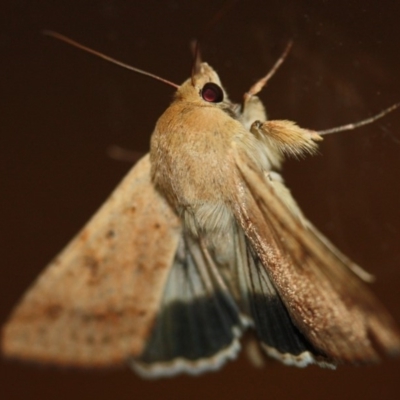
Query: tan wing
<point>330,305</point>
<point>96,303</point>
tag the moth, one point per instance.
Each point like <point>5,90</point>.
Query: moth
<point>200,242</point>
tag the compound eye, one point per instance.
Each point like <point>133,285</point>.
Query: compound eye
<point>212,93</point>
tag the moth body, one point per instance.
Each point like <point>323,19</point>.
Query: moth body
<point>199,243</point>
<point>192,154</point>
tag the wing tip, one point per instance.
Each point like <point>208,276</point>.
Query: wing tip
<point>15,347</point>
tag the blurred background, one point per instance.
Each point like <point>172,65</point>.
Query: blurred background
<point>62,108</point>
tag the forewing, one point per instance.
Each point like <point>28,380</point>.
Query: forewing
<point>96,303</point>
<point>328,303</point>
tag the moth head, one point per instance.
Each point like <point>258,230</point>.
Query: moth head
<point>203,88</point>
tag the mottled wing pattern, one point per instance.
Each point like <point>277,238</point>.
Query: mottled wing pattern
<point>96,303</point>
<point>276,332</point>
<point>326,300</point>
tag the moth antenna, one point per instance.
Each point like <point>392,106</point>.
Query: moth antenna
<point>107,58</point>
<point>196,58</point>
<point>195,44</point>
<point>121,154</point>
<point>256,88</point>
<point>363,122</point>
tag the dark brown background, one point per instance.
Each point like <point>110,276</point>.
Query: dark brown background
<point>61,109</point>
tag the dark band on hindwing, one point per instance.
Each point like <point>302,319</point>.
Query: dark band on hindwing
<point>198,325</point>
<point>200,322</point>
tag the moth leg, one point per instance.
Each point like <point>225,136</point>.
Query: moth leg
<point>253,351</point>
<point>253,110</point>
<point>286,137</point>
